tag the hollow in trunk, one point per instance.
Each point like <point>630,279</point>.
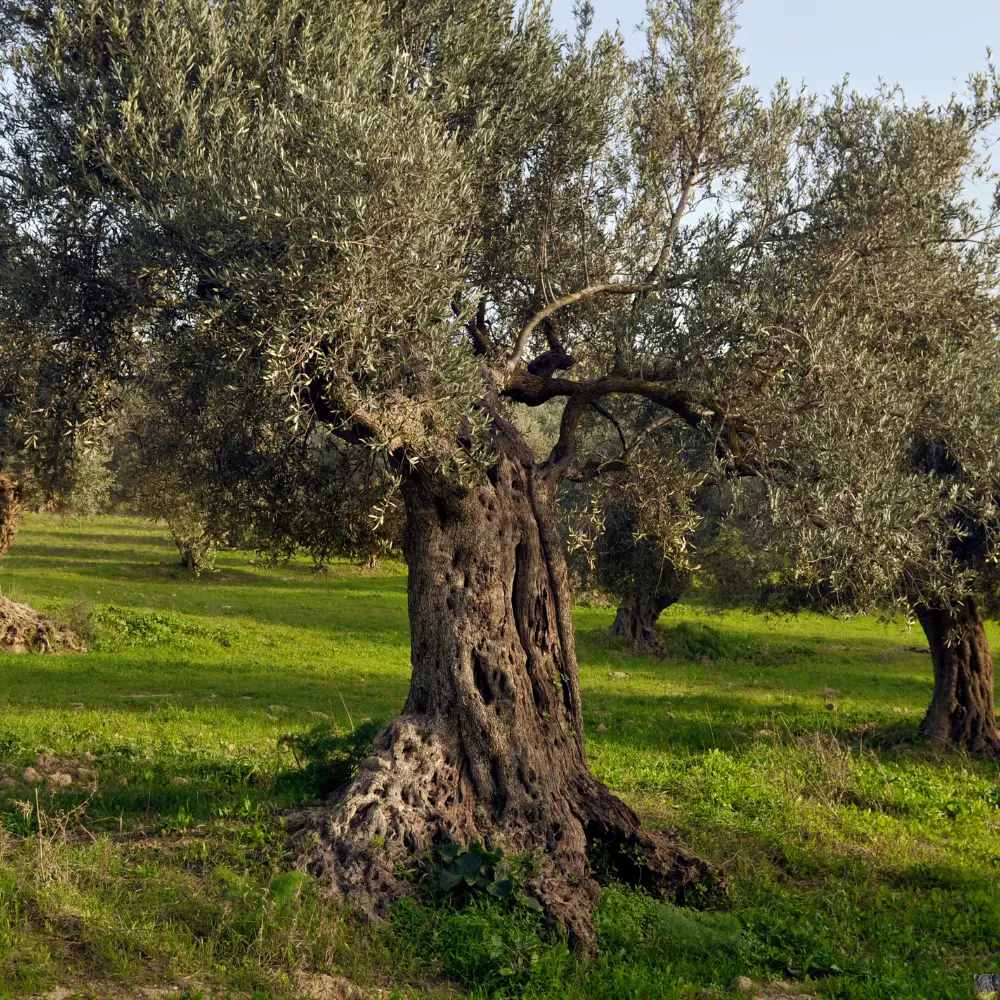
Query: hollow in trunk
<point>961,712</point>
<point>490,743</point>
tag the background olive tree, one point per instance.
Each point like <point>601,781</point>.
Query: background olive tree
<point>239,476</point>
<point>635,517</point>
<point>881,428</point>
<point>63,339</point>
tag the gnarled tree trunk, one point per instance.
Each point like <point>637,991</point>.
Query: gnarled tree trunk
<point>196,549</point>
<point>490,743</point>
<point>638,613</point>
<point>961,712</point>
<point>11,511</point>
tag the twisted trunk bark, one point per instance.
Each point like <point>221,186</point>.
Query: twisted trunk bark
<point>490,743</point>
<point>11,511</point>
<point>637,615</point>
<point>961,713</point>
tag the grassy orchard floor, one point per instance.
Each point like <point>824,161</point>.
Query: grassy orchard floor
<point>860,863</point>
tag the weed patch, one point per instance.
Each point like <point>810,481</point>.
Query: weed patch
<point>118,627</point>
<point>326,757</point>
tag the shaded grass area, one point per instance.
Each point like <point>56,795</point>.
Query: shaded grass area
<point>862,864</point>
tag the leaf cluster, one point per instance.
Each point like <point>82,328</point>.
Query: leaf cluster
<point>447,871</point>
<point>343,241</point>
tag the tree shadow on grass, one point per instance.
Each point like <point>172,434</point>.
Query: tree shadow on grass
<point>766,646</point>
<point>346,602</point>
<point>144,533</point>
<point>699,723</point>
<point>167,784</point>
<point>91,553</point>
<point>98,684</point>
<point>873,670</point>
<point>93,560</point>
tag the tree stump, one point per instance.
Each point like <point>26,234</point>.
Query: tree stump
<point>24,630</point>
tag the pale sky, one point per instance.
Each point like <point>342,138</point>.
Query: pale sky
<point>927,46</point>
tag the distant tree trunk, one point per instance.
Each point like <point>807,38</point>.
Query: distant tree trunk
<point>11,511</point>
<point>638,613</point>
<point>490,743</point>
<point>196,549</point>
<point>985,983</point>
<point>961,712</point>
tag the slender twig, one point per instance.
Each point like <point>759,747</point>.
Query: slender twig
<point>675,225</point>
<point>651,429</point>
<point>38,823</point>
<point>608,416</point>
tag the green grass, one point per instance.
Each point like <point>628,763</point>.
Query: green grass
<point>861,864</point>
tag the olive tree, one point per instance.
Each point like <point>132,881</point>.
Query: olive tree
<point>632,566</point>
<point>238,475</point>
<point>151,468</point>
<point>55,375</point>
<point>403,221</point>
<point>327,500</point>
<point>23,385</point>
<point>640,523</point>
<point>38,458</point>
<point>881,426</point>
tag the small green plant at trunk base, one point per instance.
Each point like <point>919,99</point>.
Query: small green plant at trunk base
<point>448,871</point>
<point>325,757</point>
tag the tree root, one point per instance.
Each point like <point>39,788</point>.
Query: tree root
<point>414,792</point>
<point>24,630</point>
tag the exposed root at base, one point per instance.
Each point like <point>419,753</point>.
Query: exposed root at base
<point>985,745</point>
<point>412,793</point>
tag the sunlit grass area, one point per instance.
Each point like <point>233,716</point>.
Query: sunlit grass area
<point>860,863</point>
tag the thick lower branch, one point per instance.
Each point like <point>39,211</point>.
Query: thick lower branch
<point>534,390</point>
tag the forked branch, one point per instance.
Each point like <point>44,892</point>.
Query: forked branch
<point>591,292</point>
